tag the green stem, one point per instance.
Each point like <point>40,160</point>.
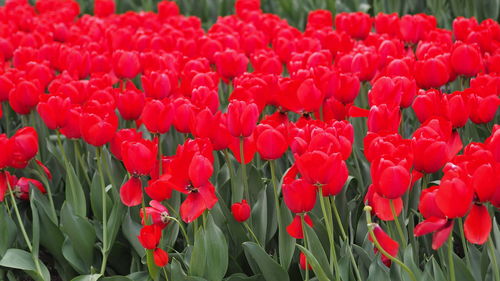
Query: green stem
<point>43,178</point>
<point>494,259</point>
<point>183,230</point>
<point>61,147</point>
<point>82,163</point>
<point>450,258</point>
<point>272,165</point>
<point>232,175</point>
<point>345,238</point>
<point>370,225</point>
<point>325,207</point>
<point>23,230</point>
<point>303,222</point>
<point>244,171</point>
<point>165,272</point>
<point>252,234</point>
<point>396,221</point>
<point>464,243</point>
<point>160,164</point>
<point>104,211</point>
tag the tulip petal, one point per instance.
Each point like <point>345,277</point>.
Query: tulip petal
<point>131,192</point>
<point>477,225</point>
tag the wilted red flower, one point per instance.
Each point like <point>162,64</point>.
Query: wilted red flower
<point>157,212</point>
<point>22,187</point>
<point>295,227</point>
<point>150,236</point>
<point>386,242</point>
<point>241,211</point>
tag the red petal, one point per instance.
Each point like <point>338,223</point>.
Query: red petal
<point>131,192</point>
<point>477,225</point>
<point>295,228</point>
<point>200,170</point>
<point>197,202</point>
<point>442,235</point>
<point>429,225</point>
<point>382,207</point>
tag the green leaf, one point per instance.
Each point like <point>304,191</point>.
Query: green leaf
<point>462,273</point>
<point>216,251</point>
<point>116,278</point>
<point>318,252</point>
<point>271,270</point>
<point>259,216</point>
<point>286,242</point>
<point>35,223</point>
<point>197,263</point>
<point>75,195</point>
<point>176,271</point>
<point>317,268</point>
<point>115,220</point>
<point>90,277</point>
<point>19,259</point>
<point>130,230</point>
<point>437,271</point>
<point>377,272</point>
<point>81,234</point>
<point>8,231</point>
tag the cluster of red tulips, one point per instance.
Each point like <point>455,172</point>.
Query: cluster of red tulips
<point>420,102</point>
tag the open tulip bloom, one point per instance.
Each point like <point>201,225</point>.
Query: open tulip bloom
<point>152,146</point>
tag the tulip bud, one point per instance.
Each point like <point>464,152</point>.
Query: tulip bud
<point>241,211</point>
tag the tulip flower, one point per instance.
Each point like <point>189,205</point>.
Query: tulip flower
<point>150,236</point>
<point>160,257</point>
<point>241,211</point>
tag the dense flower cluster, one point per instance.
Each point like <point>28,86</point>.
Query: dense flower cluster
<point>124,80</point>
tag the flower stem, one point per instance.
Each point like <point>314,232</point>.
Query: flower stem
<point>272,164</point>
<point>464,243</point>
<point>303,222</point>
<point>370,225</point>
<point>41,175</point>
<point>345,238</point>
<point>244,171</point>
<point>165,272</point>
<point>396,221</point>
<point>104,211</point>
<point>61,147</point>
<point>252,234</point>
<point>450,258</point>
<point>494,259</point>
<point>325,207</point>
<point>23,230</point>
<point>183,230</point>
<point>231,175</point>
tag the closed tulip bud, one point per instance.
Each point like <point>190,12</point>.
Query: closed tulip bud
<point>98,129</point>
<point>242,118</point>
<point>466,60</point>
<point>387,23</point>
<point>317,167</point>
<point>54,111</point>
<point>71,129</point>
<point>357,24</point>
<point>126,64</point>
<point>318,19</point>
<point>384,119</point>
<point>158,115</point>
<point>413,28</point>
<point>104,8</point>
<point>130,104</point>
<point>431,73</point>
<point>160,257</point>
<point>385,91</point>
<point>24,97</point>
<point>271,143</point>
<point>139,156</point>
<point>463,26</point>
<point>241,211</point>
<point>454,197</point>
<point>156,85</point>
<point>427,204</point>
<point>309,96</point>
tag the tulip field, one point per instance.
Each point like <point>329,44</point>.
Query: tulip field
<point>257,140</point>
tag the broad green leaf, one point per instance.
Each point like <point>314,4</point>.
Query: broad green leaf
<point>317,250</point>
<point>176,271</point>
<point>260,216</point>
<point>216,251</point>
<point>437,271</point>
<point>75,195</point>
<point>131,230</point>
<point>8,231</point>
<point>270,269</point>
<point>316,267</point>
<point>139,276</point>
<point>35,223</point>
<point>243,277</point>
<point>377,272</point>
<point>80,232</point>
<point>19,259</point>
<point>462,273</point>
<point>90,277</point>
<point>286,242</point>
<point>197,264</point>
<point>115,220</point>
<point>117,278</point>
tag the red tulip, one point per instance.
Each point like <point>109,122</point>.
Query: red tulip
<point>242,118</point>
<point>72,128</point>
<point>387,23</point>
<point>299,195</point>
<point>454,197</point>
<point>150,236</point>
<point>439,226</point>
<point>98,128</point>
<point>126,64</point>
<point>54,111</point>
<point>427,204</point>
<point>158,115</point>
<point>463,26</point>
<point>104,8</point>
<point>23,185</point>
<point>357,24</point>
<point>130,104</point>
<point>139,156</point>
<point>197,202</point>
<point>158,213</point>
<point>160,257</point>
<point>271,143</point>
<point>432,73</point>
<point>230,64</point>
<point>241,211</point>
<point>318,19</point>
<point>23,147</point>
<point>466,60</point>
<point>121,137</point>
<point>303,262</point>
<point>24,97</point>
<point>156,85</point>
<point>384,119</point>
<point>131,192</point>
<point>309,96</point>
